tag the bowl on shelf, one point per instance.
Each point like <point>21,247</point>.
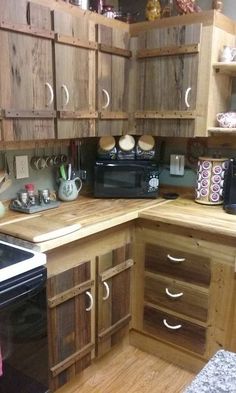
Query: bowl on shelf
<point>226,119</point>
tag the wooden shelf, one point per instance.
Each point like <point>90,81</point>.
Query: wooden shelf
<point>221,130</point>
<point>225,68</point>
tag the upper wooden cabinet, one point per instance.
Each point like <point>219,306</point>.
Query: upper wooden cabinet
<point>75,55</point>
<point>168,61</point>
<point>26,74</point>
<point>112,80</point>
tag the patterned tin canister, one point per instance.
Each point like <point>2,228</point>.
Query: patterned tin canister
<point>210,180</point>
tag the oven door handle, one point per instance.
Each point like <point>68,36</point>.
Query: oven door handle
<point>25,293</point>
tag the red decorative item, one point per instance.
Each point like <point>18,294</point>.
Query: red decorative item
<point>187,6</point>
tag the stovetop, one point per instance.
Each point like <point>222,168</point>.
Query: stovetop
<point>15,260</point>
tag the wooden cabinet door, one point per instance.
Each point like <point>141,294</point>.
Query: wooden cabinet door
<point>113,297</point>
<point>26,77</point>
<point>167,80</point>
<point>70,308</point>
<point>75,57</point>
<point>113,67</point>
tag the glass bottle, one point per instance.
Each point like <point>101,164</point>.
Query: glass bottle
<point>153,10</point>
<point>167,9</point>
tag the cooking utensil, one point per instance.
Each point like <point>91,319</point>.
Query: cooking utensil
<point>69,172</point>
<point>62,172</point>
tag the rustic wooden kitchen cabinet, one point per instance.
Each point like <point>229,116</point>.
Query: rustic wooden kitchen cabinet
<point>184,307</point>
<point>26,72</point>
<point>113,296</point>
<point>89,300</point>
<point>75,72</point>
<point>112,80</point>
<point>178,91</point>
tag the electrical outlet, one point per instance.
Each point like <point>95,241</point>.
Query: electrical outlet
<point>21,167</point>
<point>177,164</point>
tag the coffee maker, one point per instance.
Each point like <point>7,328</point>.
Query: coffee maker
<point>229,191</point>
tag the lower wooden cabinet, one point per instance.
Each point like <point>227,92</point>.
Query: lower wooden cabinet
<point>70,304</point>
<point>113,300</point>
<point>89,304</point>
<point>184,299</point>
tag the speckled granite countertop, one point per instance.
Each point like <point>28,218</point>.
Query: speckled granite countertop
<point>218,376</point>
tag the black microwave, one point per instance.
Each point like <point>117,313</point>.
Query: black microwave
<point>126,179</point>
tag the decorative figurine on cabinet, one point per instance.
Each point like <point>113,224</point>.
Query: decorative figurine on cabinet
<point>153,10</point>
<point>187,6</point>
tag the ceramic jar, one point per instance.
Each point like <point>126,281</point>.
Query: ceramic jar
<point>69,189</point>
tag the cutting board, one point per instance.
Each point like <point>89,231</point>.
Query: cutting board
<point>39,229</point>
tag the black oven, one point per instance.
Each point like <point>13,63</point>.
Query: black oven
<point>126,179</point>
<point>23,321</point>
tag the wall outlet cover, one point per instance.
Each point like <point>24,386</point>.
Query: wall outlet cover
<point>21,167</point>
<point>177,164</point>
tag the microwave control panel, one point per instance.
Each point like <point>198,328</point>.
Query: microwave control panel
<point>153,181</point>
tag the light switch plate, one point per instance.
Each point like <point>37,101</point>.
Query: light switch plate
<point>21,167</point>
<point>177,164</point>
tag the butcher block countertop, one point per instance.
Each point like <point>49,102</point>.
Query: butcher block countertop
<point>70,221</point>
<point>87,216</point>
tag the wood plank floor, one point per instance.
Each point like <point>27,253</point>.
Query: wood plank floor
<point>129,370</point>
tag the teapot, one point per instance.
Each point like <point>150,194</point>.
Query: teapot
<point>69,189</point>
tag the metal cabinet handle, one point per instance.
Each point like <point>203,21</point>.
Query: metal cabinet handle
<point>177,260</point>
<point>107,98</point>
<point>51,93</point>
<point>186,97</point>
<point>173,295</point>
<point>64,87</point>
<point>107,291</point>
<point>91,301</point>
<point>176,327</point>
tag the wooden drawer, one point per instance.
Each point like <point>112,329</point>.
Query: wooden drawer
<point>191,268</point>
<point>166,292</point>
<point>189,335</point>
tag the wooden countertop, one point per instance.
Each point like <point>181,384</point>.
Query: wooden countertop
<point>71,221</point>
<point>87,216</point>
<point>187,213</point>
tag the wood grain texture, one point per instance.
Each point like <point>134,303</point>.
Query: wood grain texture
<point>193,303</point>
<point>114,311</point>
<point>69,327</point>
<point>192,269</point>
<point>141,372</point>
<point>190,336</point>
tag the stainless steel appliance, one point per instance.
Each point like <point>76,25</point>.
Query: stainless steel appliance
<point>126,179</point>
<point>23,320</point>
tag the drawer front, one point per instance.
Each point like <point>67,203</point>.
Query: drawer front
<point>179,297</point>
<point>187,334</point>
<point>181,265</point>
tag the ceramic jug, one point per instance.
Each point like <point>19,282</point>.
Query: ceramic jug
<point>69,189</point>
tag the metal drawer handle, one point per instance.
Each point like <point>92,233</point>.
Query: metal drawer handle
<point>177,260</point>
<point>107,291</point>
<point>64,87</point>
<point>176,327</point>
<point>174,295</point>
<point>186,97</point>
<point>107,98</point>
<point>91,301</point>
<point>51,93</point>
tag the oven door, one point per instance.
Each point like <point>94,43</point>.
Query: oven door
<point>119,180</point>
<point>23,333</point>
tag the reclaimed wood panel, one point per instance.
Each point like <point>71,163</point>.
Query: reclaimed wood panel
<point>69,326</point>
<point>112,75</point>
<point>193,303</point>
<point>113,313</point>
<point>193,269</point>
<point>75,69</point>
<point>190,335</point>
